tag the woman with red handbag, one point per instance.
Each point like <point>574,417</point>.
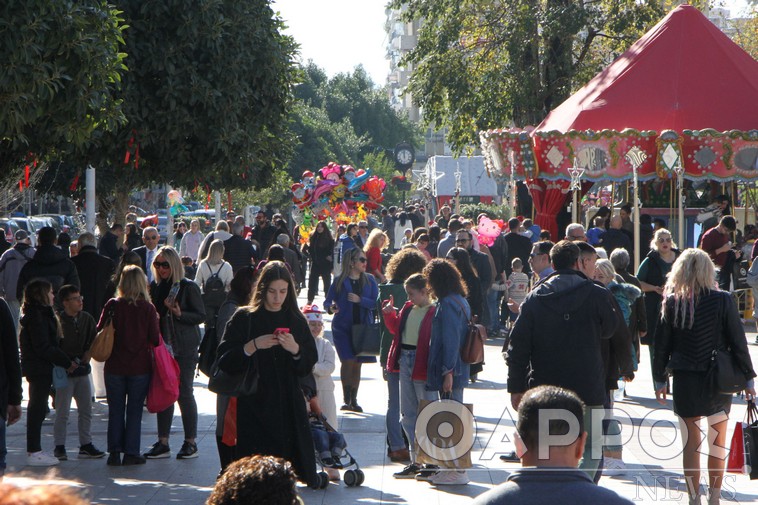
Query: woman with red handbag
<point>127,370</point>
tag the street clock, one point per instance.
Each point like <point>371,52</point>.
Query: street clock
<point>404,156</point>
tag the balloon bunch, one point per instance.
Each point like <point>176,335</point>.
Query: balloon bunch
<point>175,202</point>
<point>337,191</point>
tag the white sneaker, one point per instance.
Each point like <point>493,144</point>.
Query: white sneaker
<point>614,466</point>
<point>41,459</point>
<point>450,478</point>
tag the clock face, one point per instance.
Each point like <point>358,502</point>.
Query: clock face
<point>405,157</point>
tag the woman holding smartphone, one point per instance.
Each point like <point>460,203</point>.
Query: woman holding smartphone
<point>181,309</point>
<point>274,333</point>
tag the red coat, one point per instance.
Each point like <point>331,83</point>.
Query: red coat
<point>395,324</point>
<point>374,259</point>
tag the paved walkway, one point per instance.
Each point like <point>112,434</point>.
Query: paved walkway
<point>652,454</point>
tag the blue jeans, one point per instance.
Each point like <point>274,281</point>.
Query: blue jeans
<point>392,420</point>
<point>411,394</point>
<point>126,399</point>
<point>328,443</point>
<point>492,303</point>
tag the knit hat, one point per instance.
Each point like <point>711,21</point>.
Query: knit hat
<point>21,235</point>
<point>312,313</point>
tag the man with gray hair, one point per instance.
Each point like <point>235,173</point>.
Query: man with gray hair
<point>240,253</point>
<point>149,251</point>
<point>95,270</point>
<point>290,257</point>
<point>638,318</point>
<point>575,231</point>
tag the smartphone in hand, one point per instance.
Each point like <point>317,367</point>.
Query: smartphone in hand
<point>281,330</point>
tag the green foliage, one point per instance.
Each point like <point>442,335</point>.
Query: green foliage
<point>342,119</point>
<point>275,193</point>
<point>483,64</point>
<point>472,211</point>
<point>62,65</point>
<point>208,92</point>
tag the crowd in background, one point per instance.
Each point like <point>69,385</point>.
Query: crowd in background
<point>426,278</point>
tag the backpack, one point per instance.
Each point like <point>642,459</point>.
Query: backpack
<point>214,292</point>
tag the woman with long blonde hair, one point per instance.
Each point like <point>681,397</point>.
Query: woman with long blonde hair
<point>352,298</point>
<point>695,316</point>
<point>181,309</point>
<point>127,371</point>
<point>376,242</point>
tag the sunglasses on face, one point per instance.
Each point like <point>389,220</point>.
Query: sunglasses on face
<point>362,260</point>
<point>665,239</point>
<point>152,237</point>
<point>161,264</point>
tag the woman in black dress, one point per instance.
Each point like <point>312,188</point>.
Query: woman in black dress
<point>273,421</point>
<point>696,317</point>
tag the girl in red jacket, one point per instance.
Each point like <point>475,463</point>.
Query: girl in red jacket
<point>409,351</point>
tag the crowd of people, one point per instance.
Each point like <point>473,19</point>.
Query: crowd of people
<point>573,312</point>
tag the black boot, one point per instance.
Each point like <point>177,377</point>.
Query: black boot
<point>346,397</point>
<point>354,400</point>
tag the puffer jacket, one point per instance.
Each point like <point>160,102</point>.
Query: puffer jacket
<point>51,264</point>
<point>11,263</point>
<point>183,332</point>
<point>40,348</point>
<point>557,337</point>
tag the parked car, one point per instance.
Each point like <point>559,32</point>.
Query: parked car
<point>10,227</point>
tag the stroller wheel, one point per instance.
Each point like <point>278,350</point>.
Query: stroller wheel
<point>323,480</point>
<point>351,478</point>
<point>361,477</point>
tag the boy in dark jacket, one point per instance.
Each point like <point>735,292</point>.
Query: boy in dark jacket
<point>78,334</point>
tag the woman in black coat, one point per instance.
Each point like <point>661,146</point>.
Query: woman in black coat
<point>273,420</point>
<point>320,248</point>
<point>181,310</point>
<point>39,338</point>
<point>697,319</point>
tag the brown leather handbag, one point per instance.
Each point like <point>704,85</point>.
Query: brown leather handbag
<point>472,351</point>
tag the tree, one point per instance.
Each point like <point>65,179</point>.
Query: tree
<point>342,119</point>
<point>483,64</point>
<point>747,34</point>
<point>208,92</point>
<point>62,66</point>
<point>205,101</point>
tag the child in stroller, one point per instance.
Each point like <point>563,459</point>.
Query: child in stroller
<point>330,444</point>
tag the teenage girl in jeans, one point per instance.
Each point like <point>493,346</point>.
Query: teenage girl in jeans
<point>412,331</point>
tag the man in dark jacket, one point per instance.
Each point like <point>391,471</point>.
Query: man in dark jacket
<point>263,233</point>
<point>558,336</point>
<point>616,237</point>
<point>481,262</point>
<point>11,263</point>
<point>10,378</point>
<point>95,270</point>
<point>519,246</point>
<point>49,263</point>
<point>240,253</point>
<point>109,244</point>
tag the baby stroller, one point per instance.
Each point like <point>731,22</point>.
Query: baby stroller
<point>353,475</point>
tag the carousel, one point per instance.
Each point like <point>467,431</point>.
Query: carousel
<point>669,123</point>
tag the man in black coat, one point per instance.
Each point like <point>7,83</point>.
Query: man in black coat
<point>10,378</point>
<point>49,263</point>
<point>109,243</point>
<point>519,246</point>
<point>616,237</point>
<point>240,253</point>
<point>481,262</point>
<point>557,339</point>
<point>95,270</point>
<point>263,233</point>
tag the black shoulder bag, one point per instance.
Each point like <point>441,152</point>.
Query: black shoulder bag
<point>726,377</point>
<point>244,383</point>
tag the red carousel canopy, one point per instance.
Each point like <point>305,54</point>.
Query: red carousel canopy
<point>682,94</point>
